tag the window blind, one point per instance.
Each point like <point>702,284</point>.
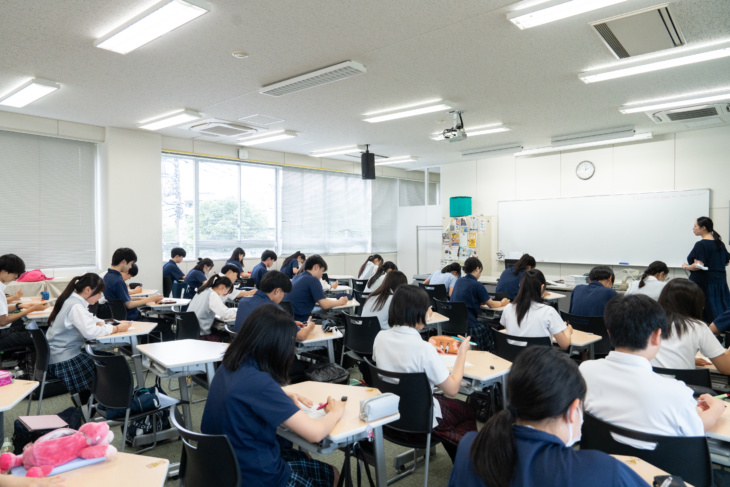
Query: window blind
<point>384,215</point>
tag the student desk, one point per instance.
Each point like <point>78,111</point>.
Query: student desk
<point>645,470</point>
<point>340,289</point>
<point>40,316</point>
<point>163,307</point>
<point>482,370</point>
<point>435,321</point>
<point>144,293</point>
<point>578,340</point>
<point>349,429</point>
<point>492,280</point>
<point>137,329</point>
<point>317,338</point>
<point>351,305</point>
<point>119,471</point>
<point>338,277</point>
<point>180,359</point>
<point>11,395</point>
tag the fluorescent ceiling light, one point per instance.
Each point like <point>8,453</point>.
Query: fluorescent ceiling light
<point>397,160</point>
<point>154,22</point>
<point>496,150</point>
<point>29,92</point>
<point>270,137</point>
<point>169,120</point>
<point>493,128</point>
<point>404,107</point>
<point>582,145</point>
<point>337,151</point>
<point>649,106</point>
<point>557,11</point>
<point>412,112</point>
<point>687,56</point>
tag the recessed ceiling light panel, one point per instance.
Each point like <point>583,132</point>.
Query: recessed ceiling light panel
<point>439,106</point>
<point>28,92</point>
<point>556,10</point>
<point>170,120</point>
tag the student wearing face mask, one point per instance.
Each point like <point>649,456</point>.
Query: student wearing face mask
<point>529,443</point>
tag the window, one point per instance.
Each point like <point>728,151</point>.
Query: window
<point>413,193</point>
<point>50,219</point>
<point>385,215</point>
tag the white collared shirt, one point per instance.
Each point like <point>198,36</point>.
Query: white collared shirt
<point>652,287</point>
<point>541,320</point>
<point>80,317</point>
<point>624,391</point>
<point>401,349</point>
<point>679,353</point>
<point>368,272</point>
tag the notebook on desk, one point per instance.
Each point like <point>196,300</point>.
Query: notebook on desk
<point>43,422</point>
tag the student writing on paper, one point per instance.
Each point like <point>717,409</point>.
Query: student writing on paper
<point>246,403</point>
<point>69,326</point>
<point>231,272</point>
<point>509,281</point>
<point>12,331</point>
<point>236,259</point>
<point>622,385</point>
<point>401,349</point>
<point>590,299</point>
<point>133,271</point>
<point>378,303</point>
<point>198,275</point>
<point>268,257</point>
<point>369,266</point>
<point>687,334</point>
<point>116,289</point>
<point>376,280</point>
<point>529,316</point>
<point>709,252</point>
<point>171,268</point>
<point>307,290</point>
<point>290,266</point>
<point>652,281</point>
<point>446,276</point>
<point>207,303</point>
<point>529,443</point>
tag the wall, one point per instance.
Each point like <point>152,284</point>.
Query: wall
<point>686,160</point>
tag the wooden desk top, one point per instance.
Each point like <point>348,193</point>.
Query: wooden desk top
<point>138,328</point>
<point>339,276</point>
<point>350,424</point>
<point>481,365</point>
<point>645,470</point>
<point>721,429</point>
<point>40,315</point>
<point>501,308</point>
<point>184,352</point>
<point>340,289</point>
<point>350,304</point>
<point>553,296</point>
<point>119,471</point>
<point>437,318</point>
<point>178,302</point>
<point>578,338</point>
<point>144,293</point>
<point>317,335</point>
<point>12,394</point>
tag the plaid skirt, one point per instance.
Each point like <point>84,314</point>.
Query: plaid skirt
<point>457,419</point>
<point>307,472</point>
<point>481,334</point>
<point>77,373</point>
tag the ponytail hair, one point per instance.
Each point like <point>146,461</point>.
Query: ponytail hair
<point>542,384</point>
<point>203,262</point>
<point>656,267</point>
<point>383,269</point>
<point>530,291</point>
<point>371,258</point>
<point>453,267</point>
<point>77,284</point>
<point>293,256</point>
<point>706,222</point>
<point>525,261</point>
<point>216,281</point>
<point>683,302</point>
<point>393,280</point>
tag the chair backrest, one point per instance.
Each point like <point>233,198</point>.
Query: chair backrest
<point>590,324</point>
<point>166,286</point>
<point>118,310</point>
<point>691,377</point>
<point>499,296</point>
<point>359,284</point>
<point>42,350</point>
<point>188,326</point>
<point>435,291</point>
<point>360,297</point>
<point>286,306</point>
<point>114,384</point>
<point>178,289</point>
<point>686,456</point>
<point>206,459</point>
<point>416,398</point>
<point>509,351</point>
<point>360,333</point>
<point>458,316</point>
<point>247,282</point>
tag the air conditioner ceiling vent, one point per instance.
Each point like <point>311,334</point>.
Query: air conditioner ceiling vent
<point>222,128</point>
<point>312,79</point>
<point>694,116</point>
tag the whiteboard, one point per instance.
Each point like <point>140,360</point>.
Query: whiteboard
<point>628,229</point>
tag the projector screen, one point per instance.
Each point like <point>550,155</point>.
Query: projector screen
<point>627,229</point>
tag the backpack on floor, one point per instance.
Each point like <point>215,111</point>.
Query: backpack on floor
<point>488,402</point>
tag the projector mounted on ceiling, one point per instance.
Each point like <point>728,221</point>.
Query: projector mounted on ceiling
<point>456,133</point>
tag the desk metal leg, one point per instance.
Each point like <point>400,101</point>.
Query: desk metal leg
<point>331,351</point>
<point>2,424</point>
<point>438,328</point>
<point>381,479</point>
<point>137,361</point>
<point>210,372</point>
<point>185,396</point>
<point>591,352</point>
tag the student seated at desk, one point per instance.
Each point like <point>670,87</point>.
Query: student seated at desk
<point>115,287</point>
<point>208,303</point>
<point>236,259</point>
<point>247,404</point>
<point>622,388</point>
<point>529,443</point>
<point>133,271</point>
<point>69,326</point>
<point>376,280</point>
<point>198,274</point>
<point>378,303</point>
<point>652,281</point>
<point>529,316</point>
<point>469,290</point>
<point>591,299</point>
<point>509,281</point>
<point>401,349</point>
<point>268,257</point>
<point>291,265</point>
<point>446,276</point>
<point>307,290</point>
<point>171,268</point>
<point>369,267</point>
<point>683,301</point>
<point>231,272</point>
<point>274,286</point>
<point>12,330</point>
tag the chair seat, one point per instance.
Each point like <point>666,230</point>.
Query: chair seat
<point>410,440</point>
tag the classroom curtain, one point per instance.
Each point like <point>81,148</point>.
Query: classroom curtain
<point>50,220</point>
<point>384,215</point>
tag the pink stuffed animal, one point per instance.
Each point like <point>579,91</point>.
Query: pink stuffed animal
<point>61,446</point>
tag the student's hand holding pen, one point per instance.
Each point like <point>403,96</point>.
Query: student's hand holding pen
<point>335,406</point>
<point>504,302</point>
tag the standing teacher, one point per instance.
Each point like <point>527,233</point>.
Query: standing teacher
<point>709,252</point>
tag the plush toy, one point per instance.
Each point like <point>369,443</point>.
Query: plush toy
<point>92,440</point>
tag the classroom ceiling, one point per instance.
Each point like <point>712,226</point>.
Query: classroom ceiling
<point>414,50</point>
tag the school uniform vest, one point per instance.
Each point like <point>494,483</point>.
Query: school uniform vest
<point>201,307</point>
<point>65,343</point>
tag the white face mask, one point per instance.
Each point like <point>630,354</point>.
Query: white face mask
<point>572,441</point>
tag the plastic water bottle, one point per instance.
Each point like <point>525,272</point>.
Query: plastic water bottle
<point>7,446</point>
<point>18,374</point>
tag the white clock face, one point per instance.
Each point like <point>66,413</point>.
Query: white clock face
<point>585,170</point>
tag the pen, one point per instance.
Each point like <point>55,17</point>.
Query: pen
<point>461,340</point>
<point>343,399</point>
<point>722,396</point>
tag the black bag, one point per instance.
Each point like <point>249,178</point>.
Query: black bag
<point>145,399</point>
<point>22,436</point>
<point>144,426</point>
<point>332,373</point>
<point>487,403</point>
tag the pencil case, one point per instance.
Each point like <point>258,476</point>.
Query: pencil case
<point>379,406</point>
<point>6,377</point>
<point>445,343</point>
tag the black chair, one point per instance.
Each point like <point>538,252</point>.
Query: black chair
<point>696,379</point>
<point>118,309</point>
<point>359,284</point>
<point>686,456</point>
<point>435,291</point>
<point>113,388</point>
<point>40,369</point>
<point>286,306</point>
<point>499,296</point>
<point>166,286</point>
<point>591,324</point>
<point>413,429</point>
<point>187,326</point>
<point>509,351</point>
<point>359,336</point>
<point>247,282</point>
<point>360,297</point>
<point>206,459</point>
<point>178,289</point>
<point>458,316</point>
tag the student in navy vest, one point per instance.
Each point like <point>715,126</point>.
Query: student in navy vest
<point>236,259</point>
<point>509,281</point>
<point>171,268</point>
<point>591,299</point>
